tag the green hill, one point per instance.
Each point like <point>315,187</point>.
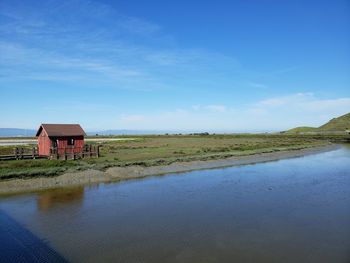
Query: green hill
<point>341,123</point>
<point>338,124</point>
<point>303,129</point>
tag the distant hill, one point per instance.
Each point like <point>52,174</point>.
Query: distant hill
<point>302,129</point>
<point>339,124</point>
<point>127,132</point>
<point>15,132</point>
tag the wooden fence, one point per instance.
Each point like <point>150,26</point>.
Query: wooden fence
<point>21,153</point>
<point>73,153</point>
<point>68,153</point>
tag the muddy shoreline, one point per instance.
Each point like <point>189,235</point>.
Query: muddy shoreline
<point>114,174</point>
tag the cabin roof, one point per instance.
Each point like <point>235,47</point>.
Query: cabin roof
<point>61,130</point>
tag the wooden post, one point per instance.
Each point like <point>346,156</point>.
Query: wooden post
<point>98,151</point>
<point>15,152</point>
<point>21,152</point>
<point>33,153</point>
<point>90,150</point>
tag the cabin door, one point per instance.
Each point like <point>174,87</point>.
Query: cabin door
<point>54,143</point>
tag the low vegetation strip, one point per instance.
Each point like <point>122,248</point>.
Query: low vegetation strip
<point>162,150</point>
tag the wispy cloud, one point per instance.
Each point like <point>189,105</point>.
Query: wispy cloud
<point>99,46</point>
<point>306,102</point>
<point>279,71</point>
<point>51,41</point>
<point>290,100</point>
<point>257,85</point>
<point>216,108</point>
<point>299,109</point>
<point>210,108</point>
<point>275,113</point>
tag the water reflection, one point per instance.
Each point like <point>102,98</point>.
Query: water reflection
<point>295,210</point>
<point>52,198</point>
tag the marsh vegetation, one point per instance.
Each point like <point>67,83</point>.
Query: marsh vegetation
<point>154,150</point>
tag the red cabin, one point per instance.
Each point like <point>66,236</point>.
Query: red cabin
<point>60,138</point>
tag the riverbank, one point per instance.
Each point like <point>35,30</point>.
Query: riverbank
<point>113,174</point>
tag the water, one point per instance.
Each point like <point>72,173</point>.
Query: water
<point>15,143</point>
<point>294,210</point>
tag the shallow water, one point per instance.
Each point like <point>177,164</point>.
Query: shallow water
<point>294,210</point>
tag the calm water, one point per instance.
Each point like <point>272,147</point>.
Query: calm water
<point>295,210</point>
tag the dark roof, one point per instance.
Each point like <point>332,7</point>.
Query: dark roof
<point>61,130</point>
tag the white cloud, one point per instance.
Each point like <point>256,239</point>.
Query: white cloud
<point>287,100</point>
<point>216,108</point>
<point>272,114</point>
<point>300,109</point>
<point>306,102</point>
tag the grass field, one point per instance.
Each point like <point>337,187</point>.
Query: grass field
<point>161,150</point>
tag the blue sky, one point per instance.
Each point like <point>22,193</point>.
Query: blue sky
<point>174,65</point>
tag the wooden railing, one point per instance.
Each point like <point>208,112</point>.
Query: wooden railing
<point>20,153</point>
<point>71,152</point>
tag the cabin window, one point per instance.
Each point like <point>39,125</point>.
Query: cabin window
<point>70,142</point>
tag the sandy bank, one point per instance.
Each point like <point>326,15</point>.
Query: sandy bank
<point>131,172</point>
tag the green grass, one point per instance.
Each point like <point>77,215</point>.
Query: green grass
<point>32,168</point>
<point>161,150</point>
